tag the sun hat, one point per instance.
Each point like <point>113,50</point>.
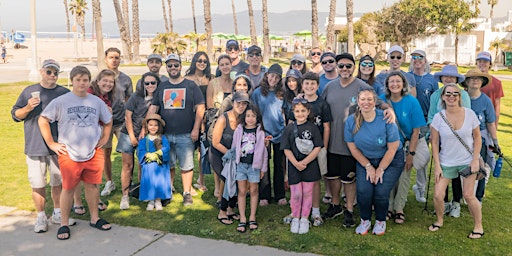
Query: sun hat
<point>477,73</point>
<point>154,117</point>
<point>395,48</point>
<point>51,63</point>
<point>173,56</point>
<point>449,70</point>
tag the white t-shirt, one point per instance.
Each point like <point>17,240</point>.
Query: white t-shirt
<point>453,153</point>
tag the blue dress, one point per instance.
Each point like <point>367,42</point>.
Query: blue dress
<point>155,180</point>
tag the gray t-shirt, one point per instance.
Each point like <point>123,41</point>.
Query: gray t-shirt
<point>34,142</point>
<point>78,123</point>
<point>124,89</point>
<point>139,108</point>
<point>340,100</point>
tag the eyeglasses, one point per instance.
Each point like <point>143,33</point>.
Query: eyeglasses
<point>395,57</point>
<point>49,72</point>
<point>202,61</point>
<point>367,64</point>
<point>316,53</point>
<point>297,62</point>
<point>299,100</point>
<point>232,49</point>
<point>150,83</point>
<point>454,94</point>
<point>417,57</point>
<point>327,61</point>
<point>348,66</point>
<point>175,65</point>
<point>254,54</point>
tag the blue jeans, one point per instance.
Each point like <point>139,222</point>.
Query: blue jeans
<point>369,194</point>
<point>182,148</point>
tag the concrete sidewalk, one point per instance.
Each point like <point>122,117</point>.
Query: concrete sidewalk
<point>18,238</point>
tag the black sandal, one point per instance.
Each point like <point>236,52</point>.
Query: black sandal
<point>242,225</point>
<point>434,227</point>
<point>253,223</point>
<point>399,218</point>
<point>234,216</point>
<point>390,215</point>
<point>473,233</point>
<point>99,225</point>
<point>64,230</point>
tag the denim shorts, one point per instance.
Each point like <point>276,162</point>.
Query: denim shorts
<point>182,149</point>
<point>246,172</point>
<point>124,144</point>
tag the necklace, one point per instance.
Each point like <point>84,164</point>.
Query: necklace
<point>199,79</point>
<point>415,78</point>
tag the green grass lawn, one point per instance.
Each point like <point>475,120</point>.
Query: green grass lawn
<point>411,238</point>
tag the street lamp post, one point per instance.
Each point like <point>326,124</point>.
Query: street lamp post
<point>34,74</point>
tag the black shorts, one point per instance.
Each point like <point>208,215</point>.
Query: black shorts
<point>341,167</point>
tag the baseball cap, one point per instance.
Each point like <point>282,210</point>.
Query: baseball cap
<point>173,56</point>
<point>293,73</point>
<point>253,48</point>
<point>419,52</point>
<point>154,56</point>
<point>232,43</point>
<point>51,63</point>
<point>345,55</point>
<point>396,48</point>
<point>299,57</point>
<point>276,69</point>
<point>241,97</point>
<point>325,54</point>
<point>484,56</point>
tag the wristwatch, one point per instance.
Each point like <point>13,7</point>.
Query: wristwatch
<point>412,153</point>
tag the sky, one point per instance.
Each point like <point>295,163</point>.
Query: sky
<point>15,14</point>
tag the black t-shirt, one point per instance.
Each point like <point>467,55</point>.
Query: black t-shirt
<point>307,131</point>
<point>321,113</point>
<point>248,145</point>
<point>177,104</point>
<point>139,108</point>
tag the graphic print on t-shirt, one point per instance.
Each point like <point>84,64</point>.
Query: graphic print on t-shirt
<point>248,142</point>
<point>175,98</point>
<point>82,116</point>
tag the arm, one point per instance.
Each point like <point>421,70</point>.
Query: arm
<point>477,146</point>
<point>299,165</point>
<point>129,127</point>
<point>413,143</point>
<point>194,135</point>
<point>327,133</point>
<point>362,160</point>
<point>105,135</point>
<point>217,134</point>
<point>209,95</point>
<point>22,113</point>
<point>497,109</point>
<point>312,156</point>
<point>44,126</point>
<point>386,160</point>
<point>491,127</point>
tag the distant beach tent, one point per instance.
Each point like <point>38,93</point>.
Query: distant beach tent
<point>19,38</point>
<point>239,37</point>
<point>303,33</point>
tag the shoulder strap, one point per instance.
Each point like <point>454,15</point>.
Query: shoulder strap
<point>455,133</point>
<point>295,129</point>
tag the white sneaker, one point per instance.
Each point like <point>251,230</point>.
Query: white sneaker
<point>364,227</point>
<point>41,224</point>
<point>294,227</point>
<point>379,228</point>
<point>158,205</point>
<point>455,210</point>
<point>303,225</point>
<point>447,208</point>
<point>288,219</point>
<point>151,206</point>
<point>317,220</point>
<point>56,218</point>
<point>109,187</point>
<point>125,203</point>
<point>419,194</point>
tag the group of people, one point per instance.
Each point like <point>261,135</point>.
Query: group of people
<point>361,135</point>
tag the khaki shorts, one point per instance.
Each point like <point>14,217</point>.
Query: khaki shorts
<point>37,170</point>
<point>116,130</point>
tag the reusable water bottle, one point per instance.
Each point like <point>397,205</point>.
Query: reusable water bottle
<point>497,168</point>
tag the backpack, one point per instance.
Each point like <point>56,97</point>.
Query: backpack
<point>210,118</point>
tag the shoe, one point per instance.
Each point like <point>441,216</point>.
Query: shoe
<point>303,226</point>
<point>56,218</point>
<point>288,219</point>
<point>41,224</point>
<point>151,205</point>
<point>125,203</point>
<point>455,210</point>
<point>333,211</point>
<point>282,201</point>
<point>326,200</point>
<point>317,220</point>
<point>447,208</point>
<point>348,220</point>
<point>419,194</point>
<point>158,205</point>
<point>109,187</point>
<point>187,199</point>
<point>193,192</point>
<point>294,226</point>
<point>364,227</point>
<point>379,228</point>
<point>263,202</point>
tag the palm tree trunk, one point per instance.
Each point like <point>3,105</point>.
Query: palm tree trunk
<point>267,50</point>
<point>81,22</point>
<point>194,16</point>
<point>128,53</point>
<point>165,17</point>
<point>330,37</point>
<point>254,39</point>
<point>125,36</point>
<point>456,49</point>
<point>68,24</point>
<point>170,15</point>
<point>208,28</point>
<point>314,23</point>
<point>234,16</point>
<point>96,9</point>
<point>136,31</point>
<point>350,26</point>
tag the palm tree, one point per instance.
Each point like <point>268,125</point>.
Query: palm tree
<point>208,28</point>
<point>254,39</point>
<point>96,12</point>
<point>350,26</point>
<point>234,16</point>
<point>497,45</point>
<point>136,30</point>
<point>165,17</point>
<point>492,3</point>
<point>266,40</point>
<point>66,9</point>
<point>314,23</point>
<point>166,43</point>
<point>77,8</point>
<point>196,38</point>
<point>123,31</point>
<point>170,15</point>
<point>194,16</point>
<point>330,40</point>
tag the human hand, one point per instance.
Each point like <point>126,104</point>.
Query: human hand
<point>301,166</point>
<point>194,135</point>
<point>134,141</point>
<point>389,116</point>
<point>33,103</point>
<point>408,162</point>
<point>370,174</point>
<point>378,175</point>
<point>438,173</point>
<point>58,148</point>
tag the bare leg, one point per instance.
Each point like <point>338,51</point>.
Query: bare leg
<point>108,164</point>
<point>126,172</point>
<point>39,198</point>
<point>221,190</point>
<point>66,199</point>
<point>335,185</point>
<point>350,193</point>
<point>327,185</point>
<point>254,187</point>
<point>242,192</point>
<point>439,192</point>
<point>56,190</point>
<point>217,190</point>
<point>186,180</point>
<point>474,206</point>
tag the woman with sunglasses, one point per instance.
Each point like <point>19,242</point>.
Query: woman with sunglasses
<point>454,157</point>
<point>298,62</point>
<point>136,108</point>
<point>366,72</point>
<point>316,66</point>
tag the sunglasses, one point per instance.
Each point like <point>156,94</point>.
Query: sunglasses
<point>175,65</point>
<point>202,61</point>
<point>316,53</point>
<point>348,66</point>
<point>297,62</point>
<point>254,54</point>
<point>395,57</point>
<point>150,83</point>
<point>367,64</point>
<point>49,72</point>
<point>327,61</point>
<point>454,94</point>
<point>232,49</point>
<point>417,57</point>
<point>299,100</point>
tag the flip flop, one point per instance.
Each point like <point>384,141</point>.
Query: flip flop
<point>241,225</point>
<point>99,225</point>
<point>234,216</point>
<point>253,223</point>
<point>79,209</point>
<point>473,233</point>
<point>434,227</point>
<point>399,218</point>
<point>64,230</point>
<point>102,206</point>
<point>222,220</point>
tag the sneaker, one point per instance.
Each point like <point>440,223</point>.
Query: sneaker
<point>125,203</point>
<point>288,219</point>
<point>348,221</point>
<point>56,218</point>
<point>364,227</point>
<point>455,210</point>
<point>109,187</point>
<point>158,205</point>
<point>379,228</point>
<point>326,200</point>
<point>303,226</point>
<point>317,220</point>
<point>447,208</point>
<point>333,211</point>
<point>151,205</point>
<point>41,224</point>
<point>282,201</point>
<point>294,226</point>
<point>419,194</point>
<point>187,199</point>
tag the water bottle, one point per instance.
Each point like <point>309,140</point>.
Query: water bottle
<point>497,168</point>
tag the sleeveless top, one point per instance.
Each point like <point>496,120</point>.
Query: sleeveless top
<point>218,93</point>
<point>227,136</point>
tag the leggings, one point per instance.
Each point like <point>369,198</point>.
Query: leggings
<point>301,198</point>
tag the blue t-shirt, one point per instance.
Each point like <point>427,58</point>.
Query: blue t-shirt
<point>372,137</point>
<point>484,110</point>
<point>425,86</point>
<point>409,115</point>
<point>323,82</point>
<point>271,109</point>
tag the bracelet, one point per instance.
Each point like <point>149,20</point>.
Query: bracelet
<point>380,168</point>
<point>368,165</point>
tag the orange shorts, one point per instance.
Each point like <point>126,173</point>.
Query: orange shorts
<point>89,171</point>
